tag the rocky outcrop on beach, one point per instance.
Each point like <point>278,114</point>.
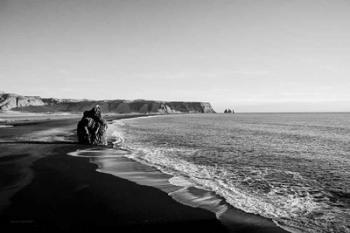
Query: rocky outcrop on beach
<point>92,128</point>
<point>109,106</point>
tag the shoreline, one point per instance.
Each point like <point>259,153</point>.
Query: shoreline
<point>37,196</point>
<point>68,194</point>
<point>233,219</point>
<point>52,191</point>
<point>193,196</point>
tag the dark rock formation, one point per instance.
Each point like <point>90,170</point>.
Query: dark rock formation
<point>92,128</point>
<point>229,111</point>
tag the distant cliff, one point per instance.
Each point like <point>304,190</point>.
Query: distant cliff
<point>38,104</point>
<point>10,101</point>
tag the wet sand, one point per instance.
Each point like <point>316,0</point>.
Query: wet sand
<point>43,189</point>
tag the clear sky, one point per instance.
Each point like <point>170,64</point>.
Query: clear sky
<point>254,55</point>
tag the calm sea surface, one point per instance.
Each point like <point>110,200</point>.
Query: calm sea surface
<point>293,168</point>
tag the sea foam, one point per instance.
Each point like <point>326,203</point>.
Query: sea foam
<point>287,197</point>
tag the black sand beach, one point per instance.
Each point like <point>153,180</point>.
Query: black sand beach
<point>42,189</point>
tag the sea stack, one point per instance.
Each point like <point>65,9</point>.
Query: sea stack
<point>92,128</point>
<point>227,110</point>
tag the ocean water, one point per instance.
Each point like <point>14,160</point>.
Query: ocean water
<point>292,168</point>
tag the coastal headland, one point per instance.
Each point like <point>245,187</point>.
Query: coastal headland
<point>9,101</point>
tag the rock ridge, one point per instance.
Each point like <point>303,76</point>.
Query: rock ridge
<point>37,104</point>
